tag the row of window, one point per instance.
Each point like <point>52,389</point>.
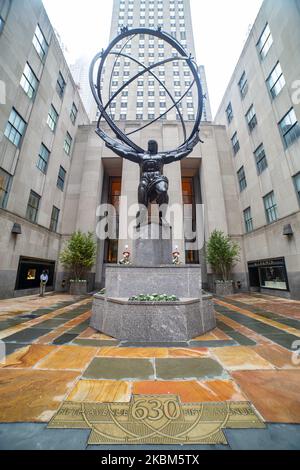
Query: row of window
<point>275,83</point>
<point>33,209</point>
<point>29,82</point>
<point>289,128</point>
<point>16,126</point>
<point>34,198</point>
<point>150,116</point>
<point>270,206</point>
<point>142,4</point>
<point>160,17</point>
<point>261,164</point>
<point>151,104</point>
<point>141,93</point>
<point>151,2</point>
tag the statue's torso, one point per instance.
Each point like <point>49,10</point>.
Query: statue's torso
<point>152,164</point>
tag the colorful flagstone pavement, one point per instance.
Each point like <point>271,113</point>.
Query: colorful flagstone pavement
<point>52,355</point>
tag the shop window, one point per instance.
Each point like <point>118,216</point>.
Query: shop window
<point>268,274</point>
<point>273,278</point>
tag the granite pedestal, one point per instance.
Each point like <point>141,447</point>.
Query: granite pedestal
<point>153,245</point>
<point>152,272</point>
<point>193,315</point>
<point>153,322</point>
<point>184,281</point>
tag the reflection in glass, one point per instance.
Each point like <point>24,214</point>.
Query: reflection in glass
<point>31,274</point>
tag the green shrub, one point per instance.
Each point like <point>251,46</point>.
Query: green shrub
<point>79,254</point>
<point>154,298</point>
<point>222,254</point>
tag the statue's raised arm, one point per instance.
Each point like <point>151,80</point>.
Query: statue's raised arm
<point>183,151</point>
<point>119,148</point>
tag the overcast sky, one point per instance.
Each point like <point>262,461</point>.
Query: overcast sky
<point>220,28</point>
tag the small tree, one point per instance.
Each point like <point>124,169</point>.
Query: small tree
<point>79,254</point>
<point>222,254</point>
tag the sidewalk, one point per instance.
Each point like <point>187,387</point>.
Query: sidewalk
<point>58,368</point>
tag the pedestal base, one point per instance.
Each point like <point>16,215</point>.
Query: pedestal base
<point>114,315</point>
<point>184,281</point>
<point>153,322</point>
<point>153,245</point>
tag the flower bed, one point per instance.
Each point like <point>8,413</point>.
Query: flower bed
<point>154,298</point>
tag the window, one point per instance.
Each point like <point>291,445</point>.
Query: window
<point>52,118</point>
<point>68,144</point>
<point>60,85</point>
<point>73,114</point>
<point>270,207</point>
<point>276,81</point>
<point>251,118</point>
<point>61,178</point>
<point>54,219</point>
<point>15,128</point>
<point>260,159</point>
<point>289,127</point>
<point>269,274</point>
<point>33,207</point>
<point>248,220</point>
<point>296,179</point>
<point>265,42</point>
<point>235,143</point>
<point>274,278</point>
<point>2,23</point>
<point>242,179</point>
<point>5,184</point>
<point>229,113</point>
<point>43,159</point>
<point>243,85</point>
<point>29,82</point>
<point>40,43</point>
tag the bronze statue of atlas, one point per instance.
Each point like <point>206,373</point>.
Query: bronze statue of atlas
<point>153,184</point>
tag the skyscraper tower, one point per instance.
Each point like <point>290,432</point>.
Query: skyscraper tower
<point>146,98</point>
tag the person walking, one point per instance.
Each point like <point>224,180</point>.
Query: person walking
<point>43,282</point>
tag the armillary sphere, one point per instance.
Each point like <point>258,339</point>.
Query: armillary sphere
<point>118,52</point>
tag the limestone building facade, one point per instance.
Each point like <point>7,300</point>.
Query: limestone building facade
<point>261,112</point>
<point>40,112</point>
<point>55,172</point>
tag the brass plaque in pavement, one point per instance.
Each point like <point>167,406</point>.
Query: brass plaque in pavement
<point>156,419</point>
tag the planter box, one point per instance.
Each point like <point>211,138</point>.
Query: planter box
<point>78,288</point>
<point>224,288</point>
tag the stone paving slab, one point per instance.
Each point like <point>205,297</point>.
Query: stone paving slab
<point>27,335</point>
<point>94,342</point>
<point>65,338</point>
<point>120,369</point>
<point>248,357</point>
<point>187,368</point>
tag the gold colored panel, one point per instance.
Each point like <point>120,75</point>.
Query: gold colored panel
<point>156,419</point>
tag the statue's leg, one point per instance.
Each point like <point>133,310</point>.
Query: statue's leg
<point>142,217</point>
<point>163,207</point>
<point>162,200</point>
